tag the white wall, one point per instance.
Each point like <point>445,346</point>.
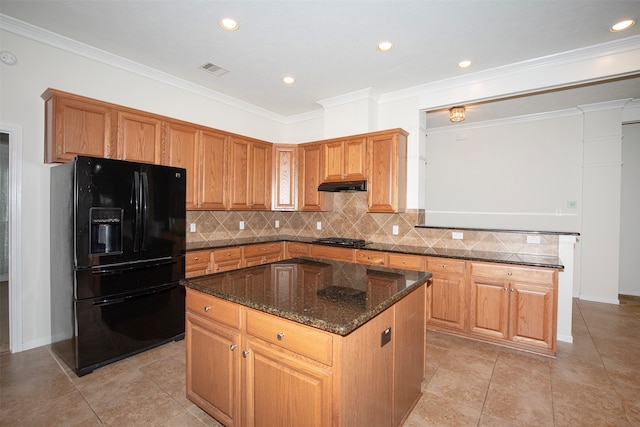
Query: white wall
<point>515,174</point>
<point>41,66</point>
<point>630,210</point>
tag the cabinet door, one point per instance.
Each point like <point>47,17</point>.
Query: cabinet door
<point>446,298</point>
<point>333,153</point>
<point>77,127</point>
<point>260,176</point>
<point>213,368</point>
<point>181,151</point>
<point>213,169</point>
<point>532,315</point>
<point>386,173</point>
<point>310,177</point>
<point>282,390</point>
<point>285,178</point>
<point>239,176</point>
<point>489,314</point>
<point>139,137</point>
<point>355,155</point>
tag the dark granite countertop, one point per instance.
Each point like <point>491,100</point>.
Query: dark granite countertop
<point>339,297</point>
<point>506,258</point>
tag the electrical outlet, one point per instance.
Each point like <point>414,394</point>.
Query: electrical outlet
<point>385,337</point>
<point>533,239</point>
<point>319,225</point>
<point>241,225</point>
<point>457,235</point>
<point>192,227</point>
<point>395,230</point>
<point>277,223</point>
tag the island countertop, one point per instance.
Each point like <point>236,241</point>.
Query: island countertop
<point>333,296</point>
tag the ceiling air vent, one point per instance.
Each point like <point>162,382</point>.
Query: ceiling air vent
<point>214,69</point>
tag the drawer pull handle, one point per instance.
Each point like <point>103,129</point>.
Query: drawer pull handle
<point>245,353</point>
<point>207,308</point>
<point>280,336</point>
<point>232,347</point>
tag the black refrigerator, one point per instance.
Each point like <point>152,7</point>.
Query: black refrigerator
<point>117,255</point>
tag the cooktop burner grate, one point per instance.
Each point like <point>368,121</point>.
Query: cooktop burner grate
<point>341,241</point>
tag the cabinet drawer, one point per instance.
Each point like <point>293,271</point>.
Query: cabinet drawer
<point>331,252</point>
<point>370,257</point>
<point>407,262</point>
<point>251,251</point>
<point>213,308</point>
<point>445,265</point>
<point>227,254</point>
<point>197,263</point>
<point>301,339</point>
<point>511,273</point>
<point>295,249</point>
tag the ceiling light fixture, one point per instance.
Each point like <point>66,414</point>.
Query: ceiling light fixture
<point>622,25</point>
<point>385,46</point>
<point>229,24</point>
<point>288,80</point>
<point>464,64</point>
<point>456,114</point>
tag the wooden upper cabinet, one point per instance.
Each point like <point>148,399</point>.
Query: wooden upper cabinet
<point>387,171</point>
<point>181,150</point>
<point>250,178</point>
<point>213,170</point>
<point>285,177</point>
<point>310,171</point>
<point>139,137</point>
<point>76,126</point>
<point>344,160</point>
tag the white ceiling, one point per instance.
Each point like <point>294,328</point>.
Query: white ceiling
<point>330,46</point>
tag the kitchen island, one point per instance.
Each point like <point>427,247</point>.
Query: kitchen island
<point>307,342</point>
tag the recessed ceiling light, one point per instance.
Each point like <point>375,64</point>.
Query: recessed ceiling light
<point>229,24</point>
<point>385,46</point>
<point>464,64</point>
<point>288,80</point>
<point>622,25</point>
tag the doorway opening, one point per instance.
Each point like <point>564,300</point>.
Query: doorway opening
<point>4,243</point>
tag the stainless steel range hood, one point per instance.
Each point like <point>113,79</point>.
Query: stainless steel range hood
<point>343,186</point>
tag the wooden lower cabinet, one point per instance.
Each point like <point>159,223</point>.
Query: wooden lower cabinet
<point>447,305</point>
<point>257,369</point>
<point>514,304</point>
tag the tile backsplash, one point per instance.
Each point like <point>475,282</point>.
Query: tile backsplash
<point>352,220</point>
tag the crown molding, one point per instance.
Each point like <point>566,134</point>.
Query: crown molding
<point>535,65</point>
<point>364,94</point>
<point>50,38</point>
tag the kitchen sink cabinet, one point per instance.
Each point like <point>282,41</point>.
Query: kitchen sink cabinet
<point>387,171</point>
<point>310,169</point>
<point>447,304</point>
<point>250,180</point>
<point>285,178</point>
<point>344,160</point>
<point>514,304</point>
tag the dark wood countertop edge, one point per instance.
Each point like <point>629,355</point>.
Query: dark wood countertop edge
<point>338,329</point>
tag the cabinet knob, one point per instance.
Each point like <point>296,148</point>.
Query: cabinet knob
<point>245,353</point>
<point>280,336</point>
<point>195,258</point>
<point>207,308</point>
<point>232,347</point>
<point>509,273</point>
<point>444,267</point>
<point>505,289</point>
<point>513,290</point>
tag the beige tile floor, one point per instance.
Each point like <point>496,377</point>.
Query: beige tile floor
<point>593,382</point>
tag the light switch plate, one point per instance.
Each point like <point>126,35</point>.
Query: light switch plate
<point>319,225</point>
<point>277,223</point>
<point>192,227</point>
<point>457,235</point>
<point>395,230</point>
<point>241,225</point>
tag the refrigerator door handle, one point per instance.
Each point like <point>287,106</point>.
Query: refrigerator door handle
<point>118,300</point>
<point>136,207</point>
<point>144,214</point>
<point>121,270</point>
